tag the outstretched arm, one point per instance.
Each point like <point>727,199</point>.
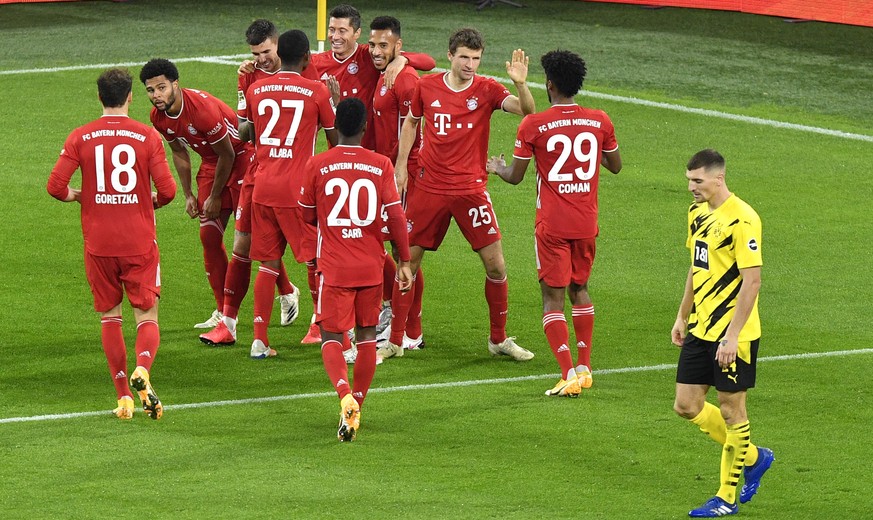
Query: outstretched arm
<point>524,103</point>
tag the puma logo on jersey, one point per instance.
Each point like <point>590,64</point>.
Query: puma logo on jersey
<point>733,378</point>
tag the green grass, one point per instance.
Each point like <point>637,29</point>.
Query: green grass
<point>482,451</point>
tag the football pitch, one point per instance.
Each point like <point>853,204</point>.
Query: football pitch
<point>448,431</point>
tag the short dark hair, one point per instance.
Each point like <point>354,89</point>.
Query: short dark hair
<point>351,115</point>
<point>383,23</point>
<point>293,46</point>
<point>467,37</point>
<point>707,159</point>
<point>158,67</point>
<point>566,71</point>
<point>260,30</point>
<point>347,11</point>
<point>113,86</point>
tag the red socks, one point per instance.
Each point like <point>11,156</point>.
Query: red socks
<point>583,325</point>
<point>413,318</point>
<point>558,335</point>
<point>148,337</point>
<point>236,285</point>
<point>265,281</point>
<point>312,279</point>
<point>365,369</point>
<point>497,296</point>
<point>335,366</point>
<point>283,284</point>
<point>116,353</point>
<point>214,257</point>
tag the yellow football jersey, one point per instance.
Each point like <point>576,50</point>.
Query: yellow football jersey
<point>721,243</point>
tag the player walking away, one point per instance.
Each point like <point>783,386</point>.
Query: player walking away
<point>190,118</point>
<point>119,159</point>
<point>345,190</point>
<point>262,37</point>
<point>570,143</point>
<point>390,107</point>
<point>718,328</point>
<point>286,111</point>
<point>451,181</point>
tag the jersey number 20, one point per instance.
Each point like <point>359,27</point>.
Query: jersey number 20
<point>351,194</point>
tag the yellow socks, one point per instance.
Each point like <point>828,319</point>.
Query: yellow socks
<point>710,422</point>
<point>733,457</point>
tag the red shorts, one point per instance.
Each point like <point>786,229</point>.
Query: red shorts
<point>274,228</point>
<point>341,308</point>
<point>243,217</point>
<point>138,276</point>
<point>561,260</point>
<point>231,193</point>
<point>429,215</point>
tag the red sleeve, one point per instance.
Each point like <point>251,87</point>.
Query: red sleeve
<point>307,188</point>
<point>311,72</point>
<point>396,216</point>
<point>65,167</point>
<point>523,148</point>
<point>609,142</point>
<point>419,61</point>
<point>326,114</point>
<point>404,88</point>
<point>415,108</point>
<point>307,194</point>
<point>160,172</point>
<point>241,87</point>
<point>397,228</point>
<point>247,113</point>
<point>498,92</point>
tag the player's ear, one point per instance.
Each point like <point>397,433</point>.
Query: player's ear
<point>398,45</point>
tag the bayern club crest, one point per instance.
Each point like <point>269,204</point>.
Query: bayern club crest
<point>193,131</point>
<point>383,90</point>
<point>353,68</point>
<point>472,103</point>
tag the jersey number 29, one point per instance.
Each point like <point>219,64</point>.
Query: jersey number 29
<point>574,146</point>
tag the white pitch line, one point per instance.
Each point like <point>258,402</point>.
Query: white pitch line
<point>233,61</point>
<point>430,386</point>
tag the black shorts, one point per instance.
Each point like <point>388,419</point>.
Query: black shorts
<point>697,365</point>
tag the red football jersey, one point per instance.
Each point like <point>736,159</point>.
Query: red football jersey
<point>286,110</point>
<point>390,106</point>
<point>349,186</point>
<point>204,120</point>
<point>357,77</point>
<point>119,157</point>
<point>247,80</point>
<point>456,125</point>
<point>568,142</point>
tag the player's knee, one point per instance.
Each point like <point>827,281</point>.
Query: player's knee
<point>686,409</point>
<point>211,237</point>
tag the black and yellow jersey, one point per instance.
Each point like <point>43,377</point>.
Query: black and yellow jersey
<point>722,242</point>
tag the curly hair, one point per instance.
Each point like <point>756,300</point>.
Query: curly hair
<point>566,71</point>
<point>158,67</point>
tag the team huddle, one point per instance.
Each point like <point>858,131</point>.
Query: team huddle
<point>407,155</point>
